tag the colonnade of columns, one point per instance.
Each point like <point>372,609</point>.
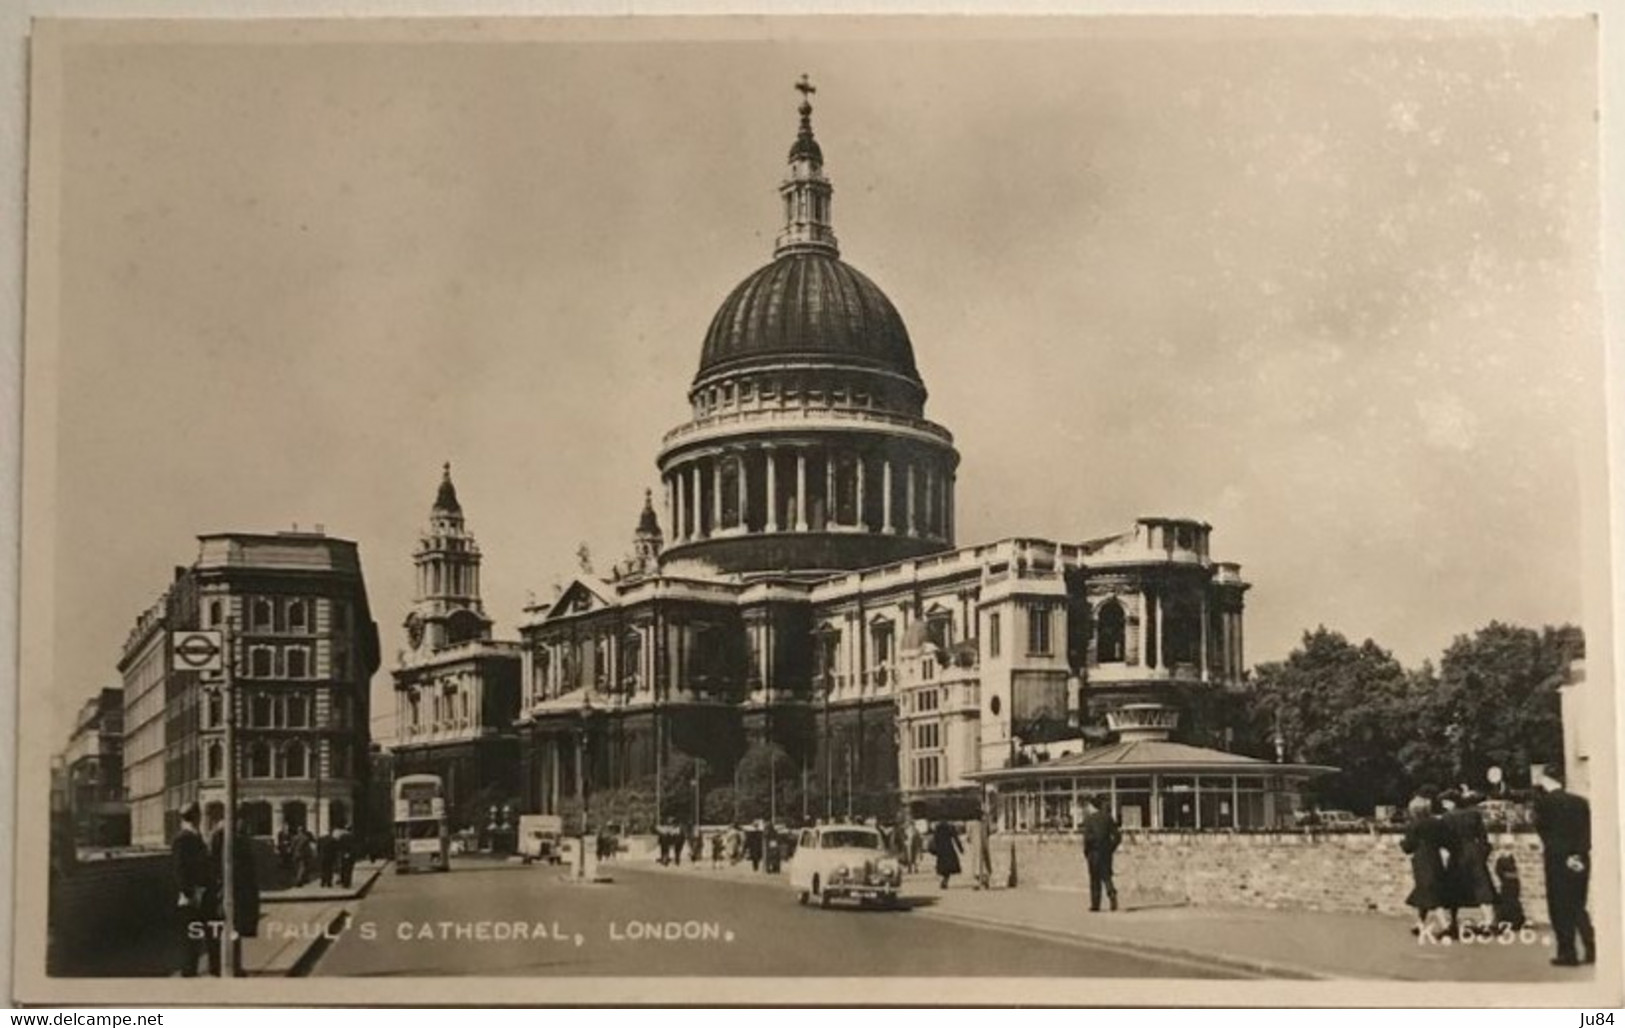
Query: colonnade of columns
<point>808,488</point>
<point>438,576</point>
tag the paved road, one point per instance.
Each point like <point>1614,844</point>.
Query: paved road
<point>433,925</point>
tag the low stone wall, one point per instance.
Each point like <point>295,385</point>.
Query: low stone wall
<point>1358,872</point>
<point>102,904</point>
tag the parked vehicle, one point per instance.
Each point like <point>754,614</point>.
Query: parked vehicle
<point>540,836</point>
<point>844,862</point>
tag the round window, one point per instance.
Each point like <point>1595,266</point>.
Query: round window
<point>993,705</point>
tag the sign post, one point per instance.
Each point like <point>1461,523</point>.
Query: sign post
<point>207,653</point>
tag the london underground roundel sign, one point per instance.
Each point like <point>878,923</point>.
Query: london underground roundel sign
<point>196,651</point>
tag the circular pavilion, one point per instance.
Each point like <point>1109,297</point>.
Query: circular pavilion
<point>1150,782</point>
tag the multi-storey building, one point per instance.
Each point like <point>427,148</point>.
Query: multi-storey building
<point>304,647</point>
<point>93,766</point>
<point>456,688</point>
<point>811,594</point>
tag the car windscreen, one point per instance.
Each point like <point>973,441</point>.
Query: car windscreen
<point>849,840</point>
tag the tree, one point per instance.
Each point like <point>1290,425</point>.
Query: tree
<point>1331,702</point>
<point>1493,703</point>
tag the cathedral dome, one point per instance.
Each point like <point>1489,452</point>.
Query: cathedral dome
<point>808,305</point>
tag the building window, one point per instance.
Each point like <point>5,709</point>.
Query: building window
<point>298,617</point>
<point>259,760</point>
<point>261,617</point>
<point>260,711</point>
<point>1110,625</point>
<point>298,660</point>
<point>216,760</point>
<point>928,736</point>
<point>259,662</point>
<point>1038,625</point>
<point>298,711</point>
<point>925,700</point>
<point>881,636</point>
<point>295,761</point>
<point>994,632</point>
<point>927,771</point>
<point>215,615</point>
<point>212,710</point>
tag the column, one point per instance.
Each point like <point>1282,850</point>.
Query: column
<point>1162,641</point>
<point>948,512</point>
<point>772,490</point>
<point>885,496</point>
<point>744,491</point>
<point>860,470</point>
<point>716,494</point>
<point>1204,659</point>
<point>697,524</point>
<point>829,490</point>
<point>671,519</point>
<point>1145,628</point>
<point>801,491</point>
<point>911,526</point>
<point>928,521</point>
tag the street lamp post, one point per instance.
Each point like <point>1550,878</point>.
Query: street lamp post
<point>581,781</point>
<point>829,751</point>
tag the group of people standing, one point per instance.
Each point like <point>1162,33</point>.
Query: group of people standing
<point>330,856</point>
<point>200,885</point>
<point>1450,851</point>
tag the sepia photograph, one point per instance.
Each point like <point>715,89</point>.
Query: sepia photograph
<point>1074,510</point>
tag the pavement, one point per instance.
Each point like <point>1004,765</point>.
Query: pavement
<point>490,918</point>
<point>1254,942</point>
<point>297,924</point>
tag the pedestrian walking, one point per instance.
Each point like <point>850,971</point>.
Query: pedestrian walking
<point>304,856</point>
<point>245,892</point>
<point>1467,874</point>
<point>718,844</point>
<point>344,844</point>
<point>1101,837</point>
<point>1424,842</point>
<point>191,865</point>
<point>1563,821</point>
<point>696,846</point>
<point>736,844</point>
<point>753,846</point>
<point>326,857</point>
<point>946,848</point>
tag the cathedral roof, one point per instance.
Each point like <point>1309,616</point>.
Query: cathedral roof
<point>446,499</point>
<point>808,305</point>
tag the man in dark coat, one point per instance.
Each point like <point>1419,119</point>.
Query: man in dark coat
<point>245,892</point>
<point>946,847</point>
<point>1563,821</point>
<point>1101,837</point>
<point>191,859</point>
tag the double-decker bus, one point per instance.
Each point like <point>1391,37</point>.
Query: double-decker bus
<point>422,842</point>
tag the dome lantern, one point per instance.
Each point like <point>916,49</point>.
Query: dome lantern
<point>807,191</point>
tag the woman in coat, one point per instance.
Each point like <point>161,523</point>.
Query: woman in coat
<point>945,846</point>
<point>1424,839</point>
<point>1468,874</point>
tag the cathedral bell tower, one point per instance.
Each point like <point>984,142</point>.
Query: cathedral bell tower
<point>447,609</point>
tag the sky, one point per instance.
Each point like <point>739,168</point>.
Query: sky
<point>1328,284</point>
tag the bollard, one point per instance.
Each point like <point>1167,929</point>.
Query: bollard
<point>1011,881</point>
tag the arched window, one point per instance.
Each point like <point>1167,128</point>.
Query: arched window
<point>1181,632</point>
<point>259,760</point>
<point>262,614</point>
<point>296,616</point>
<point>213,709</point>
<point>260,715</point>
<point>298,662</point>
<point>259,662</point>
<point>215,613</point>
<point>1110,633</point>
<point>217,761</point>
<point>295,761</point>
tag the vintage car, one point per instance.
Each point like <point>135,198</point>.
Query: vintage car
<point>844,862</point>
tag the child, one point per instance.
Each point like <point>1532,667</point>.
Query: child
<point>1508,894</point>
